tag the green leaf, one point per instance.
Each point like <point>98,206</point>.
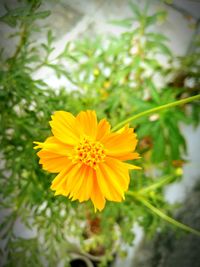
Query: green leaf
<point>9,20</point>
<point>127,23</point>
<point>151,20</point>
<point>22,14</point>
<point>41,15</point>
<point>144,129</point>
<point>50,37</point>
<point>164,49</point>
<point>141,105</point>
<point>158,47</point>
<point>157,37</point>
<point>159,16</point>
<point>47,48</point>
<point>154,94</point>
<point>135,9</point>
<point>159,146</point>
<point>176,140</point>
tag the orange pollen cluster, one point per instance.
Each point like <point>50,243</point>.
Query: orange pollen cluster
<point>89,152</point>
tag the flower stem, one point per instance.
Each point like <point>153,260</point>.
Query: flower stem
<point>156,109</point>
<point>166,180</point>
<point>161,214</point>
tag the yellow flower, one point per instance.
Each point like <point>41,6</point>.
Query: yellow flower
<point>88,158</point>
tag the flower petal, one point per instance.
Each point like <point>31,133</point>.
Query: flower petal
<point>65,128</point>
<point>97,196</point>
<point>83,189</point>
<point>116,173</point>
<point>87,120</point>
<point>126,156</point>
<point>109,190</point>
<point>55,146</point>
<point>103,129</point>
<point>74,178</point>
<point>70,179</point>
<point>120,144</point>
<point>59,180</point>
<point>131,166</point>
<point>53,162</point>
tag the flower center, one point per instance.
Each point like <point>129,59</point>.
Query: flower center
<point>89,152</point>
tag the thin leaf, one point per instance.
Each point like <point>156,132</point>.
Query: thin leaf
<point>135,9</point>
<point>127,23</point>
<point>167,218</point>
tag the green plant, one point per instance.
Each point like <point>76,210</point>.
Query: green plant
<point>116,76</point>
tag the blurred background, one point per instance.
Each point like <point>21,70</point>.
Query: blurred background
<point>119,58</point>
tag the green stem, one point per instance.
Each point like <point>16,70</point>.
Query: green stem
<point>158,184</point>
<point>162,214</point>
<point>157,109</point>
<point>21,42</point>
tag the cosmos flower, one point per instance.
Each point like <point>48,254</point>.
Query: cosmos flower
<point>88,158</point>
